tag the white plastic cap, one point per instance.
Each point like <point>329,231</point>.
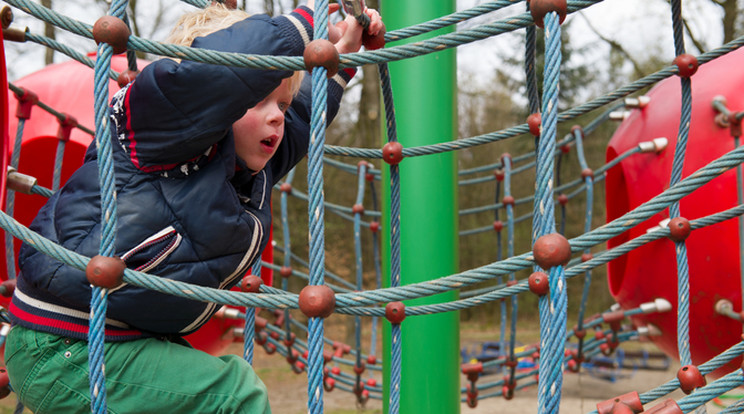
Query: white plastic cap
<point>639,102</point>
<point>655,145</point>
<point>619,115</point>
<point>662,305</point>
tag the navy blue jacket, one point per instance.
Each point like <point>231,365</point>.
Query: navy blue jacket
<point>188,209</point>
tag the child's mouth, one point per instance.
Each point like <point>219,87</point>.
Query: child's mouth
<point>268,144</point>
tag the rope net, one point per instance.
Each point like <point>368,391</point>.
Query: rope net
<point>552,261</point>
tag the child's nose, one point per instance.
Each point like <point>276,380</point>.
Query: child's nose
<point>276,116</point>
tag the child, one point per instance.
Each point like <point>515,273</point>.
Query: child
<point>197,149</point>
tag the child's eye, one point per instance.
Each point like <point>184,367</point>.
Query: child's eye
<point>283,106</point>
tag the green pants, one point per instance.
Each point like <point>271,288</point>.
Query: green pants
<point>50,375</point>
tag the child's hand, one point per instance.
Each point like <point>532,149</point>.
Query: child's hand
<point>347,34</point>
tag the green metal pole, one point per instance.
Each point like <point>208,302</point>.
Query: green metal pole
<point>424,89</point>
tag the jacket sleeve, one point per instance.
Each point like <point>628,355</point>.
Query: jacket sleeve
<point>173,112</point>
<point>296,140</point>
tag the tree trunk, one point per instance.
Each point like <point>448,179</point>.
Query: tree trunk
<point>48,32</point>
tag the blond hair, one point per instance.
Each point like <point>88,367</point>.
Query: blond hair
<point>215,17</point>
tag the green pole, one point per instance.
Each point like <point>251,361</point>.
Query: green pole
<point>424,90</point>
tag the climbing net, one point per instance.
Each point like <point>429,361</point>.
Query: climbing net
<point>550,258</point>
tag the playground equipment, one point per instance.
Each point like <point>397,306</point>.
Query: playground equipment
<point>637,179</point>
<point>550,257</point>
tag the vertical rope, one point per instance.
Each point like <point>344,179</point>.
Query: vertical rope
<point>683,282</point>
<point>10,200</point>
<point>99,296</point>
<point>507,163</point>
<point>396,346</point>
<point>589,188</point>
<point>552,310</point>
<point>378,272</point>
<point>249,329</point>
<point>361,173</point>
<point>316,213</point>
<point>58,157</point>
<point>529,66</point>
<point>287,250</point>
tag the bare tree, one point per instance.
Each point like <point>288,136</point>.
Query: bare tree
<point>48,32</point>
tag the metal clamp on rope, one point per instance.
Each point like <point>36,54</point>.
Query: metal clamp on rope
<point>655,145</point>
<point>18,182</point>
<point>356,8</point>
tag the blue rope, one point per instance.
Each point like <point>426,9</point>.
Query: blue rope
<point>249,329</point>
<point>316,213</point>
<point>552,307</point>
<point>10,200</point>
<point>58,158</point>
<point>589,185</point>
<point>683,280</point>
<point>396,347</point>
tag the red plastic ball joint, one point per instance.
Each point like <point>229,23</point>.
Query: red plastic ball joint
<point>551,250</point>
<point>587,172</point>
<point>539,283</point>
<point>534,121</point>
<point>374,42</point>
<point>392,153</point>
<point>508,201</point>
<point>371,359</point>
<point>251,284</point>
<point>669,406</point>
<point>113,31</point>
<point>8,287</point>
<point>562,199</point>
<point>499,174</point>
<point>321,52</point>
<point>504,157</point>
<point>471,393</point>
<point>126,77</point>
<point>374,226</point>
<point>626,403</point>
<point>498,225</point>
<point>357,209</point>
<point>565,149</point>
<point>105,272</point>
<point>6,17</point>
<point>317,301</point>
<point>472,371</point>
<point>395,312</point>
<point>540,8</point>
<point>507,392</point>
<point>4,383</point>
<point>285,271</point>
<point>26,101</point>
<point>66,124</point>
<point>687,65</point>
<point>359,368</point>
<point>286,188</point>
<point>329,384</point>
<point>689,377</point>
<point>679,229</point>
<point>585,257</point>
<point>230,4</point>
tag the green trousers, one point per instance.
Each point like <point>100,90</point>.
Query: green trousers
<point>50,375</point>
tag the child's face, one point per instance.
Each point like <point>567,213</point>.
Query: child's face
<point>259,132</point>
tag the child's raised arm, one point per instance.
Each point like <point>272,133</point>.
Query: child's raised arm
<point>174,112</point>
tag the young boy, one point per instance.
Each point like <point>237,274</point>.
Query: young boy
<point>197,148</point>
